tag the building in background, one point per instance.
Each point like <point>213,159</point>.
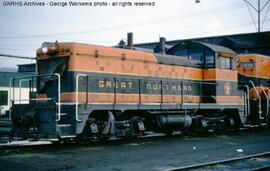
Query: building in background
<point>239,43</point>
<point>23,92</point>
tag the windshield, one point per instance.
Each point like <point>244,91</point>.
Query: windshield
<point>50,66</point>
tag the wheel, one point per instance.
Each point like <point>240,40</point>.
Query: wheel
<point>90,131</point>
<point>231,123</point>
<point>137,127</point>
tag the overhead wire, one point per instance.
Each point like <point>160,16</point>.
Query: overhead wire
<point>255,25</point>
<point>210,30</point>
<point>225,28</point>
<point>137,24</point>
<point>224,8</point>
<point>190,35</point>
<point>15,56</point>
<point>17,49</point>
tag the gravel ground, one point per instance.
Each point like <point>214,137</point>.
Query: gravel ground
<point>150,154</point>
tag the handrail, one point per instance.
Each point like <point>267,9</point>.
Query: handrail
<point>260,100</point>
<point>114,93</point>
<point>140,95</point>
<point>161,94</point>
<point>248,102</point>
<point>77,96</point>
<point>35,99</point>
<point>11,81</point>
<point>59,97</point>
<point>267,100</point>
<point>245,98</point>
<point>20,89</point>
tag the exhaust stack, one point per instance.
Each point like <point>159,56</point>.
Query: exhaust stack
<point>130,40</point>
<point>162,41</point>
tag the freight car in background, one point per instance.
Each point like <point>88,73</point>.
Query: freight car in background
<point>95,92</point>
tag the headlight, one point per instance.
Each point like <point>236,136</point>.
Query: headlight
<point>44,48</point>
<point>49,48</point>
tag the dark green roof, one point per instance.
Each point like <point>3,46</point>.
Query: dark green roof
<point>6,76</point>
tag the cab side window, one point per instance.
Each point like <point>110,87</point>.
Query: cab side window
<point>225,63</point>
<point>209,59</point>
<point>248,65</point>
<point>196,54</point>
<point>182,53</point>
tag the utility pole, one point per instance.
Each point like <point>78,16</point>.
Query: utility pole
<point>259,16</point>
<point>258,10</point>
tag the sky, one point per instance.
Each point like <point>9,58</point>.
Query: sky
<point>24,28</point>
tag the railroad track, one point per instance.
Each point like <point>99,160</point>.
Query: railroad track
<point>36,144</point>
<point>254,162</point>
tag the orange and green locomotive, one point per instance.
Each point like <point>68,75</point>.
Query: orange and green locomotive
<point>88,92</point>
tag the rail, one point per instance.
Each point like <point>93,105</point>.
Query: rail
<point>77,96</point>
<point>260,99</point>
<point>12,84</point>
<point>202,166</point>
<point>267,100</point>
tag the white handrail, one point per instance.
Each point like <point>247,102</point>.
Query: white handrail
<point>20,87</point>
<point>10,99</point>
<point>35,76</point>
<point>77,96</point>
<point>267,100</point>
<point>260,100</point>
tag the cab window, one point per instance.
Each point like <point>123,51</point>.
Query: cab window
<point>209,59</point>
<point>196,54</point>
<point>247,64</point>
<point>225,63</point>
<point>182,53</point>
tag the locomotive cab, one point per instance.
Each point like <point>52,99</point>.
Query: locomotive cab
<point>218,66</point>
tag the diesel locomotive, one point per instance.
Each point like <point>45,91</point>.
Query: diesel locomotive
<point>94,92</point>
